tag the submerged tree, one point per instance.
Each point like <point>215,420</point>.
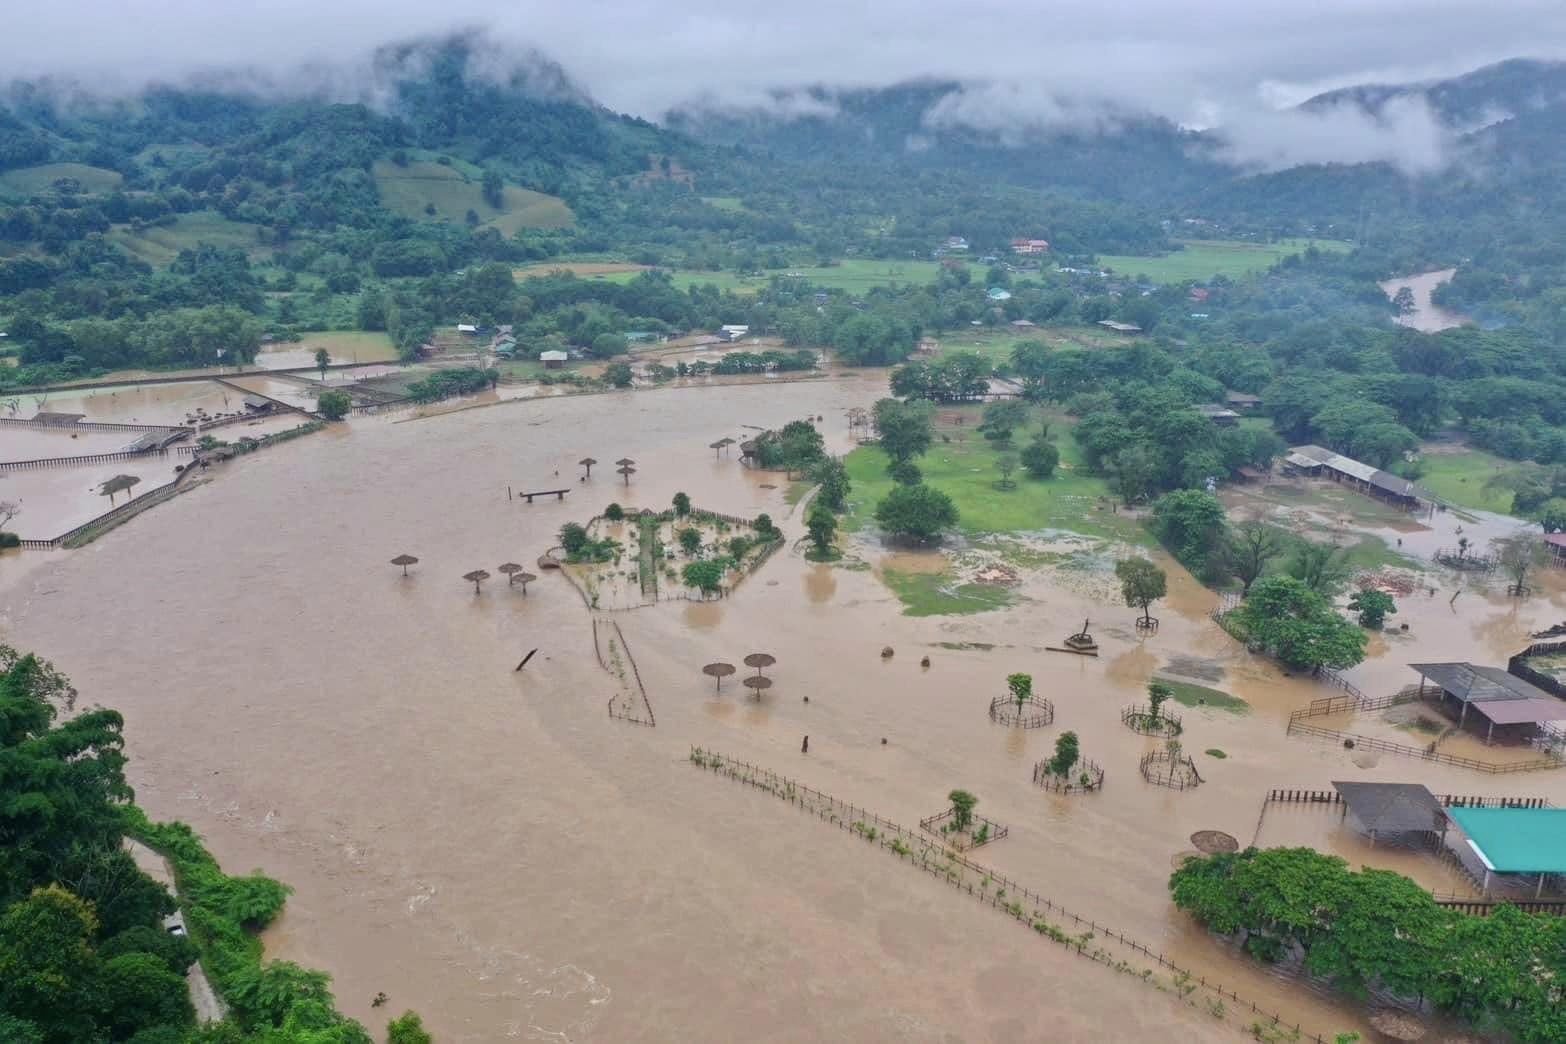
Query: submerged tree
<point>1021,686</point>
<point>963,804</point>
<point>323,359</point>
<point>1373,607</point>
<point>1141,583</point>
<point>1157,695</point>
<point>821,524</point>
<point>705,575</point>
<point>1066,754</point>
<point>1250,548</point>
<point>1519,556</point>
<point>682,505</point>
<point>1323,568</point>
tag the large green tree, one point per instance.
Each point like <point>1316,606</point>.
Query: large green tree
<point>917,512</point>
<point>1298,626</point>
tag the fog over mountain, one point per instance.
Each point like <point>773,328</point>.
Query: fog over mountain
<point>1030,67</point>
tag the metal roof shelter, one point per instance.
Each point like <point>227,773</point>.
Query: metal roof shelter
<point>58,418</point>
<point>1310,457</point>
<point>1515,840</point>
<point>1500,698</point>
<point>1393,808</point>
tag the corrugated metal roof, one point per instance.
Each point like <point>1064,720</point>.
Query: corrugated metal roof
<point>1517,840</point>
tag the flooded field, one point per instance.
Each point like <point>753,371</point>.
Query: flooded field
<point>24,443</point>
<point>486,846</point>
<point>1427,316</point>
<point>171,404</point>
<point>295,391</point>
<point>55,500</point>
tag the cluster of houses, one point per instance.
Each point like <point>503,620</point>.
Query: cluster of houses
<point>1020,247</point>
<point>1316,461</point>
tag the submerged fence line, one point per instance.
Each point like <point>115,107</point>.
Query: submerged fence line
<point>896,838</point>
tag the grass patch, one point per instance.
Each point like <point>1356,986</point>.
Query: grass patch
<point>1190,694</point>
<point>27,181</point>
<point>1201,259</point>
<point>964,469</point>
<point>1460,479</point>
<point>855,276</point>
<point>938,594</point>
<point>608,271</point>
<point>158,245</point>
<point>1214,752</point>
<point>453,192</point>
<point>995,343</point>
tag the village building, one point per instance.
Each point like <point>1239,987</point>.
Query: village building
<point>1219,415</point>
<point>1383,485</point>
<point>731,333</point>
<point>553,360</point>
<point>257,404</point>
<point>1118,327</point>
<point>1511,845</point>
<point>998,293</point>
<point>955,243</point>
<point>1499,704</point>
<point>467,328</point>
<point>1242,401</point>
<point>1030,246</point>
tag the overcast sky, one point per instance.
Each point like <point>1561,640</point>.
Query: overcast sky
<point>1204,62</point>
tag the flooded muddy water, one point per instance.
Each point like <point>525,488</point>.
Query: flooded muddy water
<point>487,846</point>
<point>23,443</point>
<point>1427,316</point>
<point>58,499</point>
<point>169,404</point>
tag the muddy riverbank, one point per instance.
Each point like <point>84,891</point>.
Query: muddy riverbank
<point>486,846</point>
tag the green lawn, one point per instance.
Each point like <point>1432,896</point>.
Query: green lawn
<point>996,342</point>
<point>1201,259</point>
<point>851,275</point>
<point>158,245</point>
<point>939,594</point>
<point>1190,694</point>
<point>1460,479</point>
<point>25,181</point>
<point>409,190</point>
<point>964,469</point>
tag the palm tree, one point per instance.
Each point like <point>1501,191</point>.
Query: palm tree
<point>478,576</point>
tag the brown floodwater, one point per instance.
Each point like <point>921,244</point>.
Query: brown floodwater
<point>1427,316</point>
<point>136,403</point>
<point>487,846</point>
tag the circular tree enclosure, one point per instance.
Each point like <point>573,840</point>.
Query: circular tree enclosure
<point>1170,769</point>
<point>1211,842</point>
<point>1151,721</point>
<point>1031,712</point>
<point>1085,776</point>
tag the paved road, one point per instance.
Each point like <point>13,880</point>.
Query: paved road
<point>209,1006</point>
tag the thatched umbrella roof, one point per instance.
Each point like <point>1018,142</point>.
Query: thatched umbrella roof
<point>405,561</point>
<point>760,660</point>
<point>587,462</point>
<point>758,683</point>
<point>117,484</point>
<point>624,461</point>
<point>524,579</point>
<point>719,671</point>
<point>477,576</point>
<point>627,471</point>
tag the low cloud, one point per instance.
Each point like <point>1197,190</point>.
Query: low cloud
<point>1078,66</point>
<point>1405,133</point>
